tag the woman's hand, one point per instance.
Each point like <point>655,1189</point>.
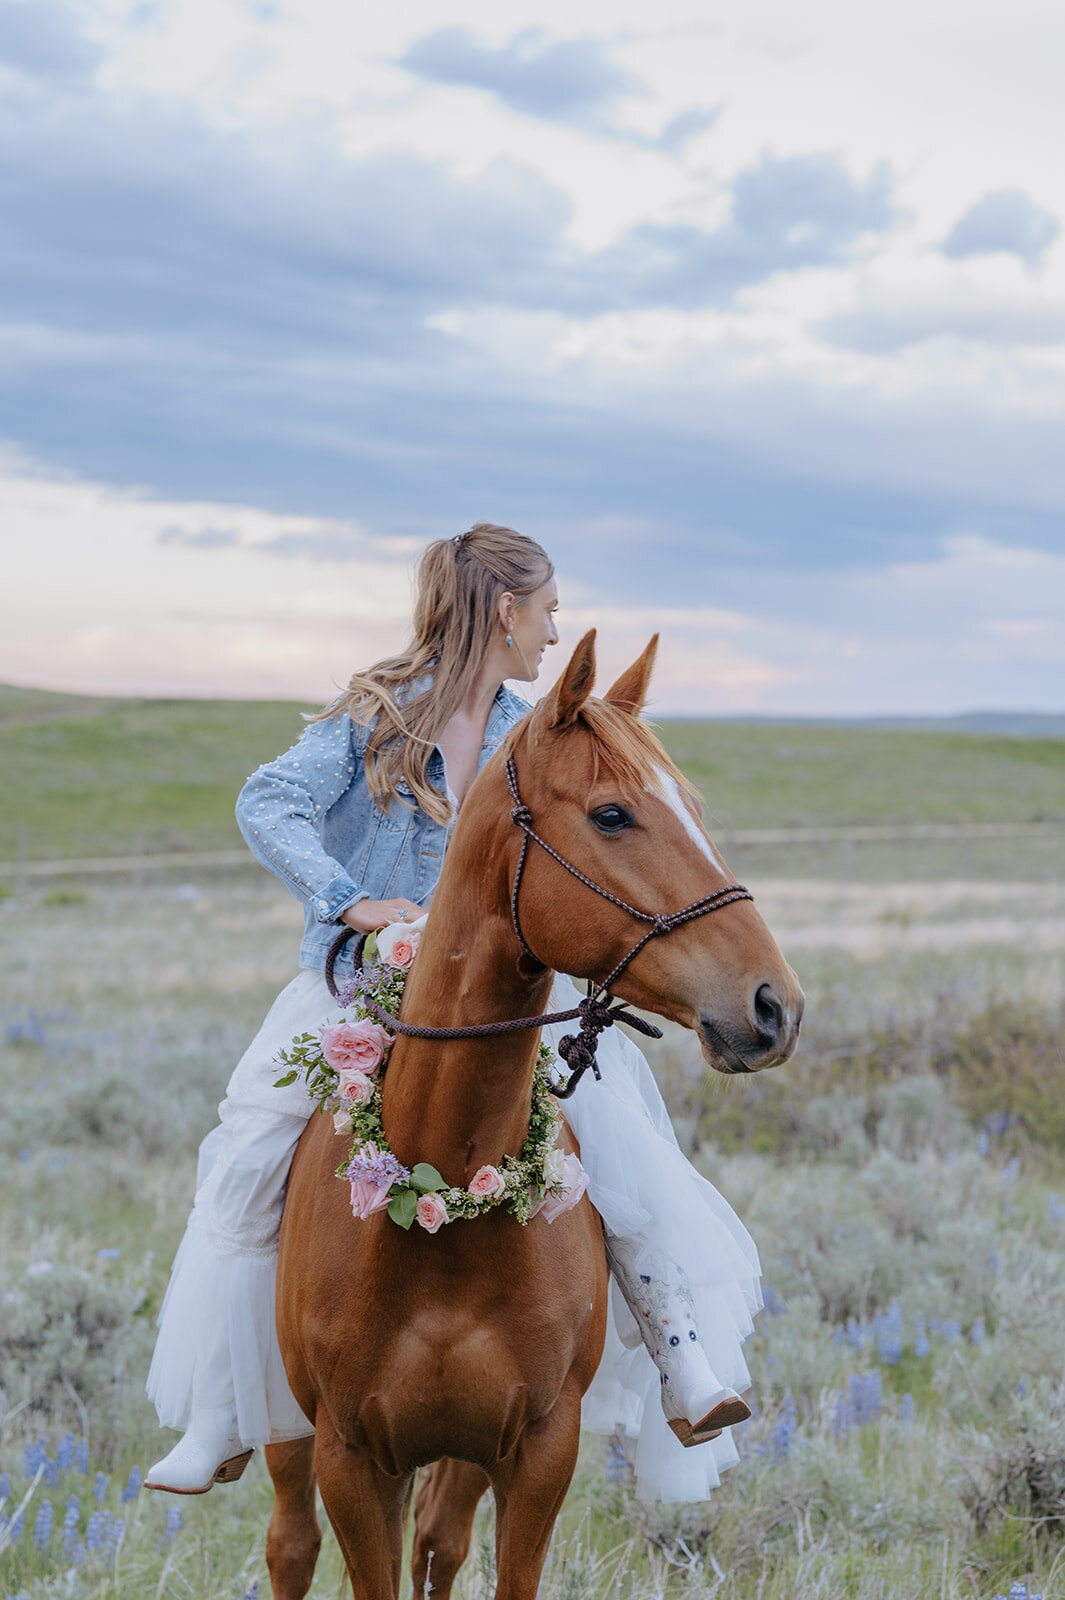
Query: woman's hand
<point>366,916</point>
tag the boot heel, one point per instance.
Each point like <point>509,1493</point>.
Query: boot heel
<point>232,1469</point>
<point>726,1415</point>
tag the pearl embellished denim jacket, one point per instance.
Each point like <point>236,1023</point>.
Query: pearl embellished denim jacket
<point>310,818</point>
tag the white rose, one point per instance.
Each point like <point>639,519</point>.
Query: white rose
<point>554,1166</point>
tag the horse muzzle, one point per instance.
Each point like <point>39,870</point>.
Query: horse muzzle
<point>766,1038</point>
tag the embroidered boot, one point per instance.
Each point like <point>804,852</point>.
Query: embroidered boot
<point>209,1453</point>
<point>697,1405</point>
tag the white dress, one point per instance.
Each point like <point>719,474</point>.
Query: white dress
<point>217,1342</point>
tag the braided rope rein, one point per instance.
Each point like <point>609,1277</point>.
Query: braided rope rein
<point>595,1012</point>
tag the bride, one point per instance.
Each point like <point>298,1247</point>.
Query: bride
<point>355,819</point>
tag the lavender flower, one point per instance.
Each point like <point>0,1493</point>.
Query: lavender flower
<point>863,1398</point>
<point>64,1455</point>
<point>253,1592</point>
<point>133,1486</point>
<point>381,1169</point>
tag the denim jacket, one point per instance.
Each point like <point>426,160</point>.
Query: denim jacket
<point>310,818</point>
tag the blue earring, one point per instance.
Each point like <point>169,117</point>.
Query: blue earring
<point>510,641</point>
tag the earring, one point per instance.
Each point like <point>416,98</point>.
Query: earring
<point>510,641</point>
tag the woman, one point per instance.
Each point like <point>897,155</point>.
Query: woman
<point>355,819</point>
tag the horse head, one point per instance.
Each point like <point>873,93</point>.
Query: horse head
<point>603,793</point>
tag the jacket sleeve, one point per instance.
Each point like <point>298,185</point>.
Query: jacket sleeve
<point>281,808</point>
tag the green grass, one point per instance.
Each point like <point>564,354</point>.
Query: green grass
<point>87,776</point>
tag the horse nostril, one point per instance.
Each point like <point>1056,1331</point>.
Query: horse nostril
<point>769,1013</point>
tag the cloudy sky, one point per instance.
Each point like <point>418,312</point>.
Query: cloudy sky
<point>753,315</point>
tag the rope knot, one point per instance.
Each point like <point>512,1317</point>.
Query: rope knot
<point>661,924</point>
<point>522,816</point>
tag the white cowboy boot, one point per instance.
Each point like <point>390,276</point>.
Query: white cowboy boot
<point>696,1403</point>
<point>207,1454</point>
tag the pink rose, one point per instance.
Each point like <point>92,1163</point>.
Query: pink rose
<point>431,1213</point>
<point>367,1198</point>
<point>355,1044</point>
<point>487,1183</point>
<point>574,1183</point>
<point>355,1087</point>
<point>342,1122</point>
<point>398,943</point>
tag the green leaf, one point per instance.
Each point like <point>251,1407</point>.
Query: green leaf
<point>426,1179</point>
<point>403,1207</point>
<point>290,1077</point>
<point>370,949</point>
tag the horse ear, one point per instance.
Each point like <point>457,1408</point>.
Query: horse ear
<point>575,684</point>
<point>630,691</point>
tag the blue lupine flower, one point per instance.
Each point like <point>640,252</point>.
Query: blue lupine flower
<point>71,1519</point>
<point>951,1330</point>
<point>253,1592</point>
<point>15,1528</point>
<point>983,1145</point>
<point>839,1334</point>
<point>906,1410</point>
<point>841,1419</point>
<point>784,1431</point>
<point>173,1522</point>
<point>133,1486</point>
<point>81,1457</point>
<point>1055,1209</point>
<point>99,1485</point>
<point>42,1528</point>
<point>96,1532</point>
<point>34,1456</point>
<point>5,1487</point>
<point>110,1254</point>
<point>617,1463</point>
<point>773,1303</point>
<point>1011,1171</point>
<point>887,1329</point>
<point>64,1455</point>
<point>863,1397</point>
<point>920,1339</point>
<point>978,1333</point>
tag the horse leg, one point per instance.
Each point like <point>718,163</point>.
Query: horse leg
<point>530,1487</point>
<point>443,1521</point>
<point>293,1538</point>
<point>366,1508</point>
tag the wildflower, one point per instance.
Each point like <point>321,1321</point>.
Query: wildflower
<point>133,1486</point>
<point>617,1462</point>
<point>920,1339</point>
<point>381,1169</point>
<point>34,1456</point>
<point>64,1455</point>
<point>99,1485</point>
<point>863,1397</point>
<point>906,1410</point>
<point>96,1532</point>
<point>784,1432</point>
<point>887,1329</point>
<point>42,1528</point>
<point>71,1519</point>
<point>109,1254</point>
<point>173,1523</point>
<point>253,1592</point>
<point>81,1457</point>
<point>951,1330</point>
<point>773,1303</point>
<point>5,1487</point>
<point>978,1333</point>
<point>1055,1209</point>
<point>841,1419</point>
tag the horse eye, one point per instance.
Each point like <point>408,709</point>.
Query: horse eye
<point>611,819</point>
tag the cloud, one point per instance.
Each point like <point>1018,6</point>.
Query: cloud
<point>787,214</point>
<point>199,538</point>
<point>685,126</point>
<point>887,329</point>
<point>42,39</point>
<point>556,79</point>
<point>1005,220</point>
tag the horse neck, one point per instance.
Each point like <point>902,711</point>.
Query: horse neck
<point>462,1104</point>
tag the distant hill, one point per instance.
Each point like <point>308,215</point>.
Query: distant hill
<point>88,775</point>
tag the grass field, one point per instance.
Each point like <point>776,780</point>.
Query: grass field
<point>904,1177</point>
<point>88,777</point>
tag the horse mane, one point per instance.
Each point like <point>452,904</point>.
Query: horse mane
<point>623,745</point>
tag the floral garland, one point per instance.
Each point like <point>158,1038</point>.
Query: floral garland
<point>344,1065</point>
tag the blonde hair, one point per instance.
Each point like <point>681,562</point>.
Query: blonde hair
<point>456,607</point>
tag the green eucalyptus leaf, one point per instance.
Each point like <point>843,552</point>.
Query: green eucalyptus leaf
<point>290,1077</point>
<point>403,1207</point>
<point>426,1179</point>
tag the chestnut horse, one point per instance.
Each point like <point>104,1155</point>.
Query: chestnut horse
<point>471,1348</point>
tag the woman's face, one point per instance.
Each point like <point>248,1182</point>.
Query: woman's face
<point>532,627</point>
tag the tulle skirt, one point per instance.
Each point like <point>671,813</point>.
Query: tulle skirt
<point>217,1346</point>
